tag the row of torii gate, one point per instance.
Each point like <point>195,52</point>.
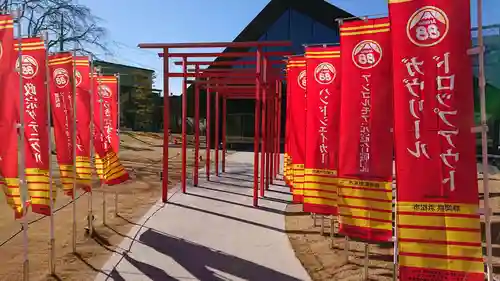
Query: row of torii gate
<point>262,83</point>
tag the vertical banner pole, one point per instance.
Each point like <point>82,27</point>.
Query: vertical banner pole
<point>184,125</point>
<point>73,203</point>
<point>224,132</point>
<point>101,128</point>
<point>23,188</point>
<point>366,260</point>
<point>277,129</point>
<point>118,93</point>
<point>256,140</point>
<point>484,139</point>
<point>166,126</point>
<point>332,232</point>
<point>322,229</point>
<point>196,128</point>
<point>346,249</point>
<point>270,141</point>
<point>263,122</point>
<point>207,137</point>
<point>90,215</point>
<point>217,129</point>
<point>52,246</point>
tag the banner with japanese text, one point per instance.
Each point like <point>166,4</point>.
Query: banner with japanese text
<point>366,141</point>
<point>297,83</point>
<point>8,116</point>
<point>439,232</point>
<point>61,97</point>
<point>83,119</point>
<point>32,67</point>
<point>106,140</point>
<point>322,131</point>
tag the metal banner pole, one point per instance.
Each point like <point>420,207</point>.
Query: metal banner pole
<point>101,135</point>
<point>117,75</point>
<point>74,149</point>
<point>484,139</point>
<point>322,230</point>
<point>52,245</point>
<point>23,188</point>
<point>90,215</point>
<point>346,249</point>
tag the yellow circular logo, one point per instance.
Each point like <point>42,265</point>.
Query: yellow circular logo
<point>325,73</point>
<point>61,77</point>
<point>29,67</point>
<point>428,26</point>
<point>367,54</point>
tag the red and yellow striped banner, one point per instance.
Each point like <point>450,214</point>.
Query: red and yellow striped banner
<point>8,110</point>
<point>366,141</point>
<point>322,119</point>
<point>296,75</point>
<point>108,166</point>
<point>438,224</point>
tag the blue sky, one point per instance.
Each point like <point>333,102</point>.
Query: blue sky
<point>200,21</point>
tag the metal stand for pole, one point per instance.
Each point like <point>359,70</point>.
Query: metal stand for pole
<point>23,188</point>
<point>332,232</point>
<point>322,230</point>
<point>366,261</point>
<point>314,219</point>
<point>346,249</point>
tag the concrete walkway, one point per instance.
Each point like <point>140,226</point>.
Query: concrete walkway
<point>211,233</point>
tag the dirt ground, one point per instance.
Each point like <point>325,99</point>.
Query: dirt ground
<point>141,155</point>
<point>324,263</point>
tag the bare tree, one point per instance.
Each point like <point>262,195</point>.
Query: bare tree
<point>69,23</point>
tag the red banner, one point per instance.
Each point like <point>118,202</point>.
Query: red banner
<point>366,141</point>
<point>321,151</point>
<point>439,231</point>
<point>8,111</point>
<point>106,140</point>
<point>61,97</point>
<point>297,78</point>
<point>83,119</point>
<point>36,130</point>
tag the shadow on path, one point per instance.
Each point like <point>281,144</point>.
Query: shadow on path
<point>199,260</point>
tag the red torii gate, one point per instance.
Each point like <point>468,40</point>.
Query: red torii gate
<point>229,88</point>
<point>261,64</point>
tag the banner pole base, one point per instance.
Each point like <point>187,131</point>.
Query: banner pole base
<point>314,219</point>
<point>74,237</point>
<point>322,230</point>
<point>26,270</point>
<point>332,232</point>
<point>116,204</point>
<point>52,259</point>
<point>366,261</point>
<point>346,249</point>
<point>104,208</point>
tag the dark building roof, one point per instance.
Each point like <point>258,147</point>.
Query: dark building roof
<point>319,10</point>
<point>118,65</point>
